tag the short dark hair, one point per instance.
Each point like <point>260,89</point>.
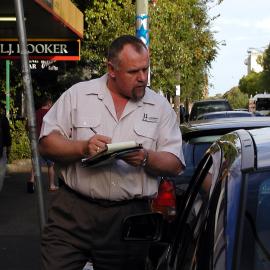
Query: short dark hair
<point>118,44</point>
<point>45,100</point>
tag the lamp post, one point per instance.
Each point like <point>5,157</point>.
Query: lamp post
<point>30,108</point>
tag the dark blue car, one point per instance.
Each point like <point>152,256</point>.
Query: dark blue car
<point>223,219</point>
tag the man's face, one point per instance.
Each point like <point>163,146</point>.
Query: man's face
<point>130,75</point>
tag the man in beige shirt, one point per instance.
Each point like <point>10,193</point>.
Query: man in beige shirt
<point>85,220</point>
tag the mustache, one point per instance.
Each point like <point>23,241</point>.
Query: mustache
<point>141,85</point>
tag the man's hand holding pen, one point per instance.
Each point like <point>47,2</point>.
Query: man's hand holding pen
<point>97,143</point>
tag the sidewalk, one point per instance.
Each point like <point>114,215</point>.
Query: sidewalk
<point>19,220</point>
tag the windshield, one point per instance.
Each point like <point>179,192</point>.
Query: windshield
<point>263,104</point>
<point>208,106</point>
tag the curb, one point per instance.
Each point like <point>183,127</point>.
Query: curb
<point>22,165</point>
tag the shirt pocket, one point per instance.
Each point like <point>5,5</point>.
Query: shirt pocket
<point>85,127</point>
<point>146,134</point>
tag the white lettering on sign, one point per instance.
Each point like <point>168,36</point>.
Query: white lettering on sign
<point>43,64</point>
<point>30,48</point>
<point>39,48</point>
<point>6,49</point>
<point>33,66</point>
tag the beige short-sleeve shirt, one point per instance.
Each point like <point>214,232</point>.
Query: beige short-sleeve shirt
<point>150,121</point>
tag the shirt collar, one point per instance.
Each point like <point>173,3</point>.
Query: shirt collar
<point>98,86</point>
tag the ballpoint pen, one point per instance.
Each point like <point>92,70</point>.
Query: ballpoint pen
<point>93,130</point>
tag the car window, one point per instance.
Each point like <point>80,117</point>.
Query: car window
<point>255,253</point>
<point>206,107</point>
<point>210,234</point>
<point>197,198</point>
<point>193,153</point>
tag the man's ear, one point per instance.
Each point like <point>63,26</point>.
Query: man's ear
<point>111,69</point>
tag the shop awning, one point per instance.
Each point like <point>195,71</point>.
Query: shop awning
<point>43,19</point>
<point>53,28</point>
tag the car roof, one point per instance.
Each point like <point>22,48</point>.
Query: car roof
<point>226,113</point>
<point>220,126</point>
<point>211,100</point>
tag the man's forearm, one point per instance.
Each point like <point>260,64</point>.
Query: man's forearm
<point>58,148</point>
<point>163,164</point>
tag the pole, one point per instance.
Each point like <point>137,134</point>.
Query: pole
<point>8,88</point>
<point>30,107</point>
<point>142,24</point>
<point>177,102</point>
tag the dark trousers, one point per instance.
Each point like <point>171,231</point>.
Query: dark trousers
<point>79,229</point>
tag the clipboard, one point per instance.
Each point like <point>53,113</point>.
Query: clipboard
<point>113,151</point>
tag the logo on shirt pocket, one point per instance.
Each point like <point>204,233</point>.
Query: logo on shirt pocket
<point>150,119</point>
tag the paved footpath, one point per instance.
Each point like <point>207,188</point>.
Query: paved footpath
<point>19,222</point>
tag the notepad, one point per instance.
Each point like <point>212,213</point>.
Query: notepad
<point>113,151</point>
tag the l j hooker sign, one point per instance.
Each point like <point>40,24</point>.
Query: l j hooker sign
<point>56,49</point>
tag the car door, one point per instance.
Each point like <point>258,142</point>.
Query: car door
<point>194,209</point>
<point>201,243</point>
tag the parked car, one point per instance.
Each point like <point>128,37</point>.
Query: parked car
<point>199,135</point>
<point>225,114</point>
<point>206,106</point>
<point>223,219</point>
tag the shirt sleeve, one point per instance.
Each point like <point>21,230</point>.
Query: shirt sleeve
<point>58,117</point>
<point>170,137</point>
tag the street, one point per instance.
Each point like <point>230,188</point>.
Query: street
<point>19,223</point>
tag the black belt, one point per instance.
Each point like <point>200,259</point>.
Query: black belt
<point>101,202</point>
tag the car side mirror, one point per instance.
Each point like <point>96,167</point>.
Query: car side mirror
<point>143,227</point>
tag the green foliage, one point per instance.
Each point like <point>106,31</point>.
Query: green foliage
<point>236,98</point>
<point>181,44</point>
<point>266,60</point>
<point>104,21</point>
<point>15,87</point>
<point>182,47</point>
<point>251,83</point>
<point>20,148</point>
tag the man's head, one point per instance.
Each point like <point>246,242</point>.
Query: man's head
<point>128,64</point>
<point>46,102</point>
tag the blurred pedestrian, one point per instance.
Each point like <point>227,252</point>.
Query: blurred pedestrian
<point>46,104</point>
<point>85,218</point>
<point>5,145</point>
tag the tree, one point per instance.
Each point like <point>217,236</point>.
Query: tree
<point>266,59</point>
<point>180,40</point>
<point>180,43</point>
<point>251,83</point>
<point>236,98</point>
<point>265,76</point>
